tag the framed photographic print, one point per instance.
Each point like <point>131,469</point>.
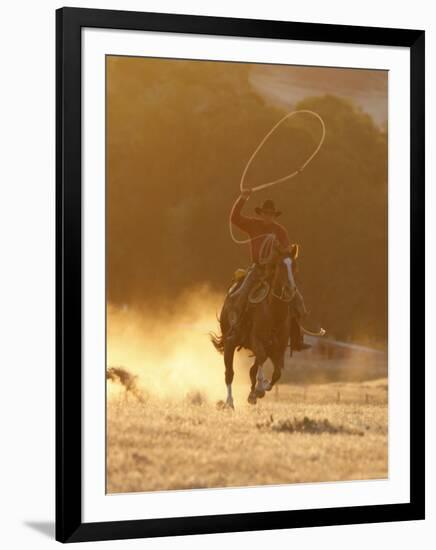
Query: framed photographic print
<point>240,274</point>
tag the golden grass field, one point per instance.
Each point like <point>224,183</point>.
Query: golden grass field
<point>310,433</point>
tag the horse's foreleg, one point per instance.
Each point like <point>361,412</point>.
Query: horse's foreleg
<point>229,351</point>
<point>263,384</point>
<point>278,353</point>
<point>279,363</point>
<point>255,390</point>
<point>277,372</point>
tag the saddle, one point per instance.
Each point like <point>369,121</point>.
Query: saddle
<point>259,290</point>
<point>262,287</point>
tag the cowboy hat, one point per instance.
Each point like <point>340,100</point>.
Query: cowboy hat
<point>268,208</point>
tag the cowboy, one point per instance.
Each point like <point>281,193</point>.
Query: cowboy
<point>261,229</point>
<point>266,235</point>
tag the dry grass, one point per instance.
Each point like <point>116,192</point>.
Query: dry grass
<point>308,433</point>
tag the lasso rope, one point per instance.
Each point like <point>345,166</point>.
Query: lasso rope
<point>266,247</point>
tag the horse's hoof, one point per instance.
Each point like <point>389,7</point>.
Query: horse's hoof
<point>224,405</point>
<point>262,387</point>
<point>252,398</point>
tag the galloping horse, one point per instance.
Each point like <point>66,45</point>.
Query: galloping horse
<point>265,328</point>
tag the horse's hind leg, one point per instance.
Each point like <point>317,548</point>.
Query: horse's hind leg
<point>229,351</point>
<point>253,375</point>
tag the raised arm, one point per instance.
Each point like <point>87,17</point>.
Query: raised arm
<point>237,218</point>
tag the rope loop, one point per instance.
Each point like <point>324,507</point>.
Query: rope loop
<point>279,180</point>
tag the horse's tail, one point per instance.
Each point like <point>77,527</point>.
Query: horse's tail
<point>218,341</point>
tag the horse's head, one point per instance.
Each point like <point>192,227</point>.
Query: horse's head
<point>283,282</point>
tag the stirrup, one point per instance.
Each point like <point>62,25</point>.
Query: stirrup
<point>259,293</point>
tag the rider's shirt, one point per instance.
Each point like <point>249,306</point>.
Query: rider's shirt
<point>257,230</point>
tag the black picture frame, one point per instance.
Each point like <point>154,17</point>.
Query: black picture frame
<point>69,525</point>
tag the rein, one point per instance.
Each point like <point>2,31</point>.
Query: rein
<point>280,296</point>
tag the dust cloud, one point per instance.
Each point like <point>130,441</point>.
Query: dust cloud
<point>169,349</point>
